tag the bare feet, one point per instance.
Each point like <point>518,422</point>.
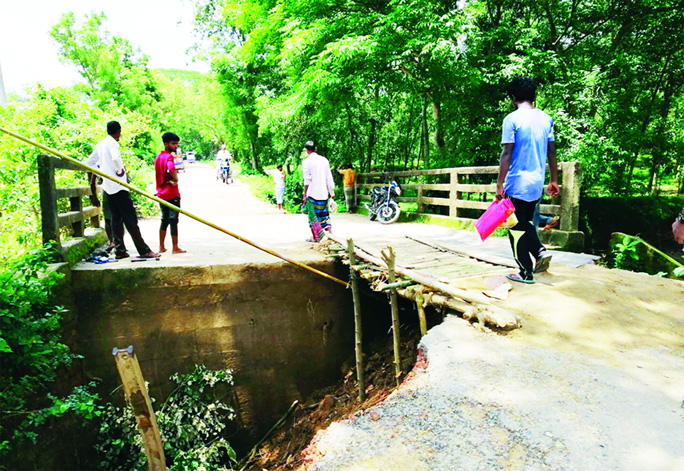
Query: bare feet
<point>178,250</point>
<point>162,249</point>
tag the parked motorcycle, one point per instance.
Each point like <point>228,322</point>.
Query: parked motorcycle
<point>383,205</point>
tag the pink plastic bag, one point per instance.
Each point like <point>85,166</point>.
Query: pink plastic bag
<point>496,214</point>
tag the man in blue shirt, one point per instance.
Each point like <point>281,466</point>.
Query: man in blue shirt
<point>528,143</point>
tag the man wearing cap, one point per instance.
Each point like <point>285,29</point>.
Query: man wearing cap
<point>318,187</point>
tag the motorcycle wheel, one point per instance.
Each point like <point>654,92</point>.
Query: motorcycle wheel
<point>388,213</point>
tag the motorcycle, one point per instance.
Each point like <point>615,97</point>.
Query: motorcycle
<point>382,205</point>
<point>226,174</point>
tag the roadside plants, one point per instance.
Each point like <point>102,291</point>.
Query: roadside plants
<point>32,356</point>
<point>626,255</point>
<point>193,424</point>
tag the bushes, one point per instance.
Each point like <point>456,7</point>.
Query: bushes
<point>649,217</point>
<point>31,355</point>
<point>193,423</point>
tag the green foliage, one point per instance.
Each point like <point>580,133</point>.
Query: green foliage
<point>59,118</point>
<point>421,83</point>
<point>626,255</point>
<point>192,422</point>
<point>31,354</point>
<point>648,216</point>
<point>114,71</point>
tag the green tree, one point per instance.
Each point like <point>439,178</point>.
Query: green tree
<point>113,69</point>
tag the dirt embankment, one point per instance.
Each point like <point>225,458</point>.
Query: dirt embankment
<point>627,322</point>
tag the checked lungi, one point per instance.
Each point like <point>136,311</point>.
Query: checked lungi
<point>319,217</point>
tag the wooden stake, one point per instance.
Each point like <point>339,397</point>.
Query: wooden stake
<point>389,259</point>
<point>136,394</point>
<point>420,300</point>
<point>357,321</point>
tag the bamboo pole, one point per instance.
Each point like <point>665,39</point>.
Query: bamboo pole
<point>136,394</point>
<point>420,300</point>
<point>171,206</point>
<point>357,321</point>
<point>389,259</point>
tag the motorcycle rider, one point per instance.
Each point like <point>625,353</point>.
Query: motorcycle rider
<point>223,159</point>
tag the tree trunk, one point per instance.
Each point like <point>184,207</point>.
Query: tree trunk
<point>371,143</point>
<point>437,116</point>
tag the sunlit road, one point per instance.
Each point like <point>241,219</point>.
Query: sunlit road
<point>233,207</point>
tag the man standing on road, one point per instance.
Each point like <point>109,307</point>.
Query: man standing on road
<point>107,154</point>
<point>528,142</point>
<point>279,189</point>
<point>678,228</point>
<point>167,189</point>
<point>349,183</point>
<point>318,187</point>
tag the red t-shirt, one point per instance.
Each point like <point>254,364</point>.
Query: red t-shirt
<point>163,165</point>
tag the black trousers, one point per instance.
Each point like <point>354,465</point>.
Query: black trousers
<point>523,236</point>
<point>123,213</point>
<point>169,216</point>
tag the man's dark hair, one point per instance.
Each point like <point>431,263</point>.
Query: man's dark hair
<point>170,137</point>
<point>113,127</point>
<point>310,145</point>
<point>279,166</point>
<point>523,89</point>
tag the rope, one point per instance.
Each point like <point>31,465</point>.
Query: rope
<point>171,206</point>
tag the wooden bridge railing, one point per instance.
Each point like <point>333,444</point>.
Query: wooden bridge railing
<point>52,219</point>
<point>459,191</point>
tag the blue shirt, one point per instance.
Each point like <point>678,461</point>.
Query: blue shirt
<point>530,130</point>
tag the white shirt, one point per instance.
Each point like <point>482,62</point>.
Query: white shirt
<point>318,177</point>
<point>223,158</point>
<point>279,178</point>
<point>108,156</point>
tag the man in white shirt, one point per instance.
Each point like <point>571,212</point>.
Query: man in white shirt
<point>108,156</point>
<point>223,159</point>
<point>318,187</point>
<point>279,189</point>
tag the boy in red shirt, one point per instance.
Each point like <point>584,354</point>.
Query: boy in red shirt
<point>167,189</point>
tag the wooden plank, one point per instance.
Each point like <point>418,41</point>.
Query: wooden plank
<point>65,165</point>
<point>73,191</point>
<point>435,201</point>
<point>136,394</point>
<point>473,188</point>
<point>493,259</point>
<point>68,218</point>
<point>473,204</point>
<point>428,186</point>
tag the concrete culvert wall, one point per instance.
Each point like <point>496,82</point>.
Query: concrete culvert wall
<point>282,331</point>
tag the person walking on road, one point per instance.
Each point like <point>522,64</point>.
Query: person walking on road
<point>349,183</point>
<point>318,188</point>
<point>167,189</point>
<point>279,180</point>
<point>108,156</point>
<point>528,142</point>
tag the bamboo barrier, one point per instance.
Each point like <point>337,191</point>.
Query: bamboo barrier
<point>358,347</point>
<point>470,304</point>
<point>389,257</point>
